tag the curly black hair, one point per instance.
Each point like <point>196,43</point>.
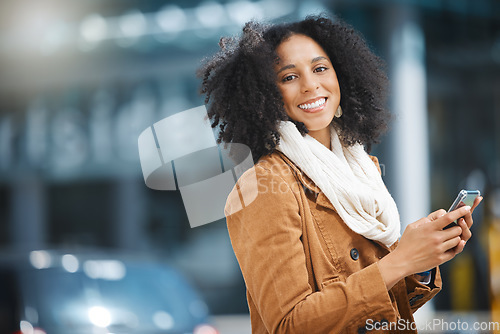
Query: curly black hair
<point>244,100</point>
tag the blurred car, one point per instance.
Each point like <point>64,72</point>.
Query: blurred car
<point>57,292</point>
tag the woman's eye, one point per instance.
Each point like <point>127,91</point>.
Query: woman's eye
<point>288,78</point>
<point>320,69</point>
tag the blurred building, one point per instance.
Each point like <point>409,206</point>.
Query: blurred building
<point>80,81</point>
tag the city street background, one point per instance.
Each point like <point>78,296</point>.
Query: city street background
<point>81,80</point>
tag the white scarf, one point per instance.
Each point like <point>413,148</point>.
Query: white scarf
<point>349,179</point>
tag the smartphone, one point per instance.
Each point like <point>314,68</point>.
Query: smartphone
<point>464,197</point>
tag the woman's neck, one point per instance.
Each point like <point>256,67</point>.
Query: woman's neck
<point>323,136</point>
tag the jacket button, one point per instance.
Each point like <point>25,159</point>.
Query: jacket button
<point>354,254</point>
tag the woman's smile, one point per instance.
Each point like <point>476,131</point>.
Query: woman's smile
<point>313,105</point>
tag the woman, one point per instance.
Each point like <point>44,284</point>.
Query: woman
<point>318,246</point>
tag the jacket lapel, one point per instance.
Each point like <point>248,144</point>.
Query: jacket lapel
<point>308,184</point>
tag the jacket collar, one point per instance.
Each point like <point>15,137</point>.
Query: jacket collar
<point>307,183</point>
<point>303,178</point>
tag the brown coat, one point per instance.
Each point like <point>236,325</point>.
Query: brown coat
<point>305,270</point>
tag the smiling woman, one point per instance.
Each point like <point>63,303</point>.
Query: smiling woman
<point>319,246</point>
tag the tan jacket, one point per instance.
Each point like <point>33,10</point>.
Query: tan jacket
<point>305,270</point>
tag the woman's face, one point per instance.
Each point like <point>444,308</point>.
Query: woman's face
<point>308,83</point>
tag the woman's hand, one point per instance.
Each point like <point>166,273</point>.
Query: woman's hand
<point>425,245</point>
<point>466,223</point>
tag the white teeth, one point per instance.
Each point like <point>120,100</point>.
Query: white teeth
<point>316,104</point>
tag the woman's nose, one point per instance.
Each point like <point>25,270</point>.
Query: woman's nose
<point>309,83</point>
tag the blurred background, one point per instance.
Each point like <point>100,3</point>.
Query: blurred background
<point>80,80</point>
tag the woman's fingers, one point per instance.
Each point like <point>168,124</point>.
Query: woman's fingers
<point>452,232</point>
<point>456,249</point>
<point>466,233</point>
<point>468,219</point>
<point>445,220</point>
<point>437,214</point>
<point>477,200</point>
<point>451,243</point>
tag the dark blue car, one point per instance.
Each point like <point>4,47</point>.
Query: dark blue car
<point>57,292</point>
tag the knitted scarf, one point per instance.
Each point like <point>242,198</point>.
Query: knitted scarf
<point>349,179</point>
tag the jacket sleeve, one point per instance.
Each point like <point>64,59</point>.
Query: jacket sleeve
<point>418,293</point>
<point>266,238</point>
